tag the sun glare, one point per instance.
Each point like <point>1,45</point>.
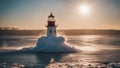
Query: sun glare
<point>84,9</point>
<point>88,48</point>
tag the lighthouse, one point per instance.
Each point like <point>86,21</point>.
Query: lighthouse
<point>52,42</point>
<point>51,26</point>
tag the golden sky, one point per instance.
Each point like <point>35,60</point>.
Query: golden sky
<point>33,14</point>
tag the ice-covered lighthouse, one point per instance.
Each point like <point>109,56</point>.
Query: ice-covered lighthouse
<point>52,42</point>
<point>51,26</point>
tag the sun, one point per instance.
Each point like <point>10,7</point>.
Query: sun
<point>84,9</point>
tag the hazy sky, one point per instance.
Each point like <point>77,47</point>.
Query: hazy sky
<point>33,14</point>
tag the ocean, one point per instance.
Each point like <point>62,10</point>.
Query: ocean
<point>102,51</point>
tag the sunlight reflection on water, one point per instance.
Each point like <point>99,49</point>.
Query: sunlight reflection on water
<point>95,42</point>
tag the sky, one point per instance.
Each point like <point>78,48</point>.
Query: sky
<point>33,14</point>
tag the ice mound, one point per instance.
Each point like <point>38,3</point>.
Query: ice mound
<point>53,44</point>
<point>50,44</point>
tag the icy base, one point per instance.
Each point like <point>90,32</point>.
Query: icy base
<point>51,44</point>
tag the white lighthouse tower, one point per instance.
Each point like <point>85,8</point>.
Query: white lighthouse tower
<point>51,27</point>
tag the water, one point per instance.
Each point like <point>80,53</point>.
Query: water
<point>96,49</point>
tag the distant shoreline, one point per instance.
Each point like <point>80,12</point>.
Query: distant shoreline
<point>63,32</point>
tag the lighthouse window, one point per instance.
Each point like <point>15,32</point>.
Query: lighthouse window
<point>50,31</point>
<point>55,31</point>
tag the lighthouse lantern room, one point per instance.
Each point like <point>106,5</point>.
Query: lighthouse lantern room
<point>51,27</point>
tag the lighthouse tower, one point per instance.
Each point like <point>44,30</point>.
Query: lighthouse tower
<point>51,27</point>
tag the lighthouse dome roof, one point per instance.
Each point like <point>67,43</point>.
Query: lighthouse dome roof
<point>51,15</point>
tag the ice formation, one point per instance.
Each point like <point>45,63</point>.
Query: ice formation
<point>52,44</point>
